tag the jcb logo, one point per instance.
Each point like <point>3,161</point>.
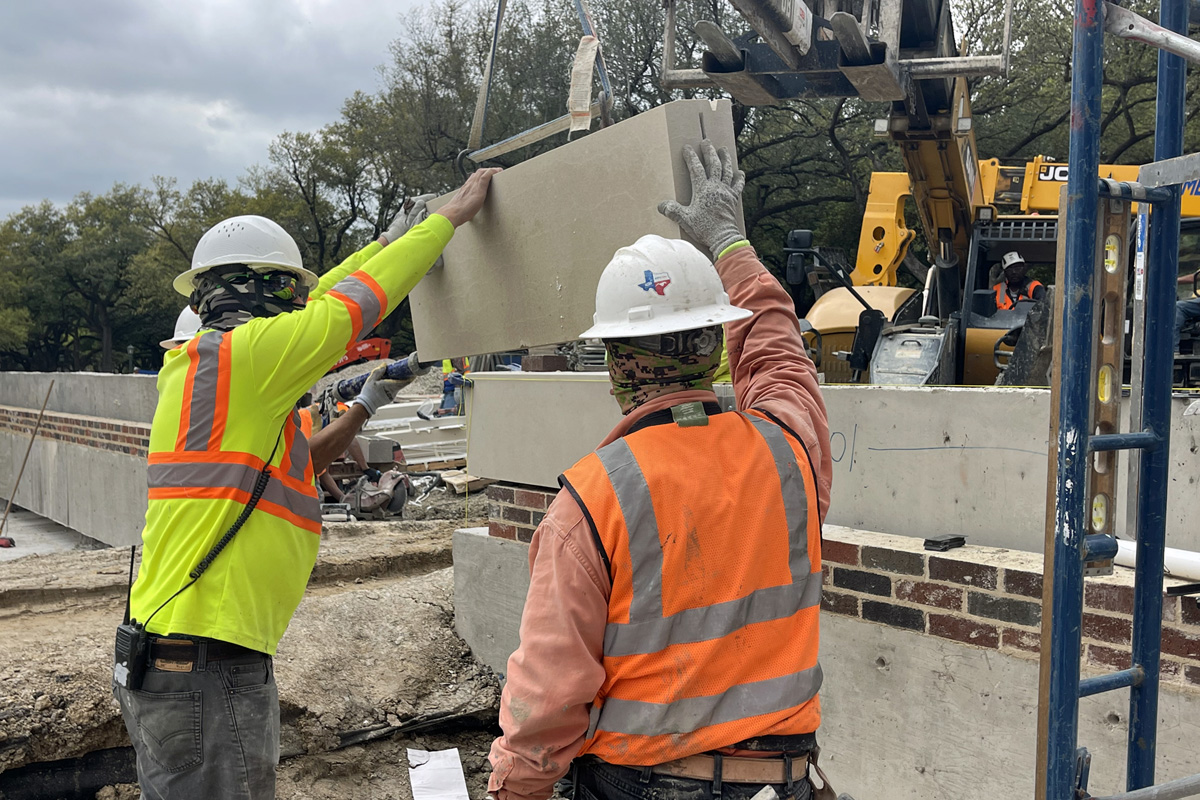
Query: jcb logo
<point>1052,172</point>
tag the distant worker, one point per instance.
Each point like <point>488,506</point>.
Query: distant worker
<point>1014,286</point>
<point>187,325</point>
<point>671,623</point>
<point>454,371</point>
<point>226,457</point>
<point>1186,310</point>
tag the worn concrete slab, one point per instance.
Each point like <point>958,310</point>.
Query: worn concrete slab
<point>37,536</point>
<point>125,397</point>
<point>524,272</point>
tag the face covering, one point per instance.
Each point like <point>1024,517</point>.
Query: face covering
<point>647,367</point>
<point>229,296</point>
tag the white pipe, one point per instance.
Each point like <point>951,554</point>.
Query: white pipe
<point>1184,787</point>
<point>1179,563</point>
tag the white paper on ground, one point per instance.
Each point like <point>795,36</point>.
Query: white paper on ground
<point>436,775</point>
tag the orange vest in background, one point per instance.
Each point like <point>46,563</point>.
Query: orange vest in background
<point>712,535</point>
<point>1004,302</point>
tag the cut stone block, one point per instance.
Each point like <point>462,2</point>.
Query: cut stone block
<point>524,271</point>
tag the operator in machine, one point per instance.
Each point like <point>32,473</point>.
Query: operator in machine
<point>1014,284</point>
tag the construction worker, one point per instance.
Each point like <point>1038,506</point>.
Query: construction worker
<point>1187,310</point>
<point>1014,286</point>
<point>226,457</point>
<point>670,628</point>
<point>187,325</point>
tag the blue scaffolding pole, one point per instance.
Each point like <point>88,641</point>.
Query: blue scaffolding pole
<point>1066,766</point>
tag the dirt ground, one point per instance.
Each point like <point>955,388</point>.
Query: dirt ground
<point>371,652</point>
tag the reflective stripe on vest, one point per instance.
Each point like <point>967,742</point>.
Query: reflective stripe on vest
<point>364,299</point>
<point>199,469</point>
<point>673,724</point>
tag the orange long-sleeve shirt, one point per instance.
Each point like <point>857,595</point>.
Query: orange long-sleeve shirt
<point>555,674</point>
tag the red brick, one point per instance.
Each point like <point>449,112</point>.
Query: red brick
<point>501,530</point>
<point>1108,597</point>
<point>964,629</point>
<point>514,514</point>
<point>1108,657</point>
<point>1189,612</point>
<point>1170,670</point>
<point>839,603</point>
<point>501,493</point>
<point>1192,674</point>
<point>826,575</point>
<point>938,595</point>
<point>530,499</point>
<point>1026,584</point>
<point>1114,630</point>
<point>1021,640</point>
<point>981,576</point>
<point>1176,642</point>
<point>841,552</point>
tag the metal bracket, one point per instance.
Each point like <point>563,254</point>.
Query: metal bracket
<point>1124,24</point>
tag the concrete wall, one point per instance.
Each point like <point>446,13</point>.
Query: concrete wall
<point>87,468</point>
<point>911,461</point>
<point>931,671</point>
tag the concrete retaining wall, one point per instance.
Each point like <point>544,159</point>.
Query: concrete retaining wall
<point>87,469</point>
<point>911,461</point>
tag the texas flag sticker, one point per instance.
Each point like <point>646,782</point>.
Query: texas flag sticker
<point>655,281</point>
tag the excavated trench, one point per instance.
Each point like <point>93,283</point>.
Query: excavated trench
<point>370,666</point>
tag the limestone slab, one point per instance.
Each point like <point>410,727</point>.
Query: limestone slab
<point>524,272</point>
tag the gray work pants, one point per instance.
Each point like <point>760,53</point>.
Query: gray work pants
<point>209,733</point>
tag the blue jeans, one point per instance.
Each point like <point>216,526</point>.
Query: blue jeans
<point>1185,311</point>
<point>598,780</point>
<point>209,733</point>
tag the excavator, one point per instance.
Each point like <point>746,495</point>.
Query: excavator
<point>864,325</point>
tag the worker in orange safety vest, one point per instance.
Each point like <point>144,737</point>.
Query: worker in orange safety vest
<point>1014,286</point>
<point>193,668</point>
<point>669,640</point>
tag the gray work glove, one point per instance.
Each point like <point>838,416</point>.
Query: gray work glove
<point>379,390</point>
<point>711,217</point>
<point>413,213</point>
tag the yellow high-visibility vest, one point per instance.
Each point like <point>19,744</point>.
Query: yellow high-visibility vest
<point>226,400</point>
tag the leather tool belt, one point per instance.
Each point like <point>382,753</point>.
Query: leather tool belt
<point>182,655</point>
<point>735,769</point>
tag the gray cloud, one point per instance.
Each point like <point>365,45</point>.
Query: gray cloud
<point>98,91</point>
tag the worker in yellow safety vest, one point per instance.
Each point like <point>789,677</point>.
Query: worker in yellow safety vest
<point>193,670</point>
<point>669,639</point>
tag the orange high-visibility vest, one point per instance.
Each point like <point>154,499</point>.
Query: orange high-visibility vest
<point>1004,302</point>
<point>712,535</point>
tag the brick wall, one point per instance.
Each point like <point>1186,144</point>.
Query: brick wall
<point>130,438</point>
<point>514,512</point>
<point>982,596</point>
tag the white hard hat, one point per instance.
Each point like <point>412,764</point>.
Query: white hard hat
<point>254,241</point>
<point>1010,258</point>
<point>659,285</point>
<point>186,326</point>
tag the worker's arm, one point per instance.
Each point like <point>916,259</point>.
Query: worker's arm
<point>770,367</point>
<point>331,278</point>
<point>1038,292</point>
<point>331,441</point>
<point>557,671</point>
<point>290,352</point>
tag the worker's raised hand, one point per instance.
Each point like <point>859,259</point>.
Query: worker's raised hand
<point>711,217</point>
<point>414,212</point>
<point>470,197</point>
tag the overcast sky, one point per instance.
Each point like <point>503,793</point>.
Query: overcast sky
<point>98,91</point>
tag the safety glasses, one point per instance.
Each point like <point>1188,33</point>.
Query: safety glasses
<point>284,286</point>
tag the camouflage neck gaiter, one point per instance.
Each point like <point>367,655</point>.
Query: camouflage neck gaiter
<point>640,373</point>
<point>223,304</point>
